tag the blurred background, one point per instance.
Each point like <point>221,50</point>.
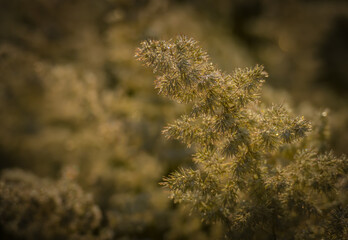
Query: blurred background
<point>80,140</point>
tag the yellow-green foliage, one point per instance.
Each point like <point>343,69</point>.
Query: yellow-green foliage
<point>74,102</point>
<point>239,177</point>
<point>34,208</point>
<point>76,106</point>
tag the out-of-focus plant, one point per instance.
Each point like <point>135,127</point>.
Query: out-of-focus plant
<point>84,130</point>
<point>35,208</point>
<point>74,100</point>
<point>255,170</point>
<point>68,106</point>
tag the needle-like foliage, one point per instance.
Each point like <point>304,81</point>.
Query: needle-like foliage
<point>241,177</point>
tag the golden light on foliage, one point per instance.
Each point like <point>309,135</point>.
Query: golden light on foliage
<point>240,177</point>
<point>81,148</point>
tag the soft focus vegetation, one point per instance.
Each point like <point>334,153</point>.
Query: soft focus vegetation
<point>81,149</point>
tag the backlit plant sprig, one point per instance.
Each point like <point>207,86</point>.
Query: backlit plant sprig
<point>234,138</point>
